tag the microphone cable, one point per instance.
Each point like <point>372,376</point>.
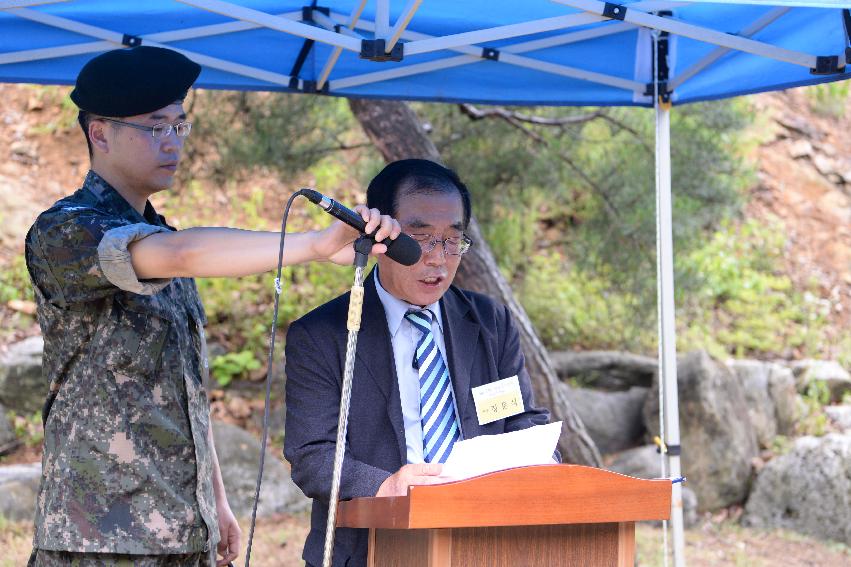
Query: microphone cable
<point>269,374</point>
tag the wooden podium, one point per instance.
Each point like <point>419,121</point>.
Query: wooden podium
<point>538,516</point>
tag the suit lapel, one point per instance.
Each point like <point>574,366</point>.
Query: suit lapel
<point>375,352</point>
<point>462,333</point>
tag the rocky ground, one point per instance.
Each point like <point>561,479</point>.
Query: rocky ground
<point>278,541</point>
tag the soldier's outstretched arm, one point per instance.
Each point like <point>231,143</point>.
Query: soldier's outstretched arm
<point>211,252</point>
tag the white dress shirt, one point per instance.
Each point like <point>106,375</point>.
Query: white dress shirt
<point>404,338</point>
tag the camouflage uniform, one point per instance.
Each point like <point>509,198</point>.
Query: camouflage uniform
<point>127,462</point>
<point>71,559</point>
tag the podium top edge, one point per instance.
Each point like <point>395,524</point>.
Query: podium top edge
<point>533,495</point>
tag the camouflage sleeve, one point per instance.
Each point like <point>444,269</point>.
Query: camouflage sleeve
<point>62,250</point>
<point>114,258</point>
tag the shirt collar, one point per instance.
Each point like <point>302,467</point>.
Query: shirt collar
<point>107,196</point>
<point>395,308</point>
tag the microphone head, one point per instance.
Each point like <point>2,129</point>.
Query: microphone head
<point>404,250</point>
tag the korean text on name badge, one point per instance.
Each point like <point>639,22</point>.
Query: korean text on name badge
<point>498,400</point>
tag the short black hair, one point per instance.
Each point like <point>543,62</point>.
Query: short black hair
<point>408,176</point>
<point>84,118</point>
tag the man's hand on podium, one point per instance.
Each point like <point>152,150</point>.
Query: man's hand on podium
<point>423,473</point>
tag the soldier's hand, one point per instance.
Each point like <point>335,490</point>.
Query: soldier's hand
<point>230,534</point>
<point>334,243</point>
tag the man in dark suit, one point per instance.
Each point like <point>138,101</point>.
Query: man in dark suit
<point>424,345</point>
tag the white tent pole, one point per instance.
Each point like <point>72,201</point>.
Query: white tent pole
<point>507,58</point>
<point>667,328</point>
<point>382,19</point>
<point>396,32</point>
<point>500,32</point>
<point>718,53</point>
<point>98,46</point>
<point>275,23</point>
<point>723,39</point>
<point>6,4</point>
<point>335,55</point>
<point>115,38</point>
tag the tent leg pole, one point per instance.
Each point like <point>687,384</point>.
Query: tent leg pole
<point>667,329</point>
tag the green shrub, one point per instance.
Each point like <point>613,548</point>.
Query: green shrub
<point>56,97</point>
<point>829,99</point>
<point>571,309</point>
<point>813,419</point>
<point>15,281</point>
<point>226,367</point>
<point>241,308</point>
<point>28,428</point>
<point>741,302</point>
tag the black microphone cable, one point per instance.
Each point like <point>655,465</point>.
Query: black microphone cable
<point>404,256</point>
<point>269,374</point>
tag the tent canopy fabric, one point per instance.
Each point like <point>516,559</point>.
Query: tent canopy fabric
<point>561,52</point>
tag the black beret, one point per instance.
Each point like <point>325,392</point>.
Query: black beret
<point>127,82</point>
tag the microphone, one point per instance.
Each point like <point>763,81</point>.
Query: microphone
<point>404,249</point>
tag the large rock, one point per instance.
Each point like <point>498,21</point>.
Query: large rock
<point>22,388</point>
<point>640,462</point>
<point>840,415</point>
<point>717,439</point>
<point>8,439</point>
<point>644,462</point>
<point>836,378</point>
<point>18,491</point>
<point>770,394</point>
<point>613,419</point>
<point>609,370</point>
<point>239,454</point>
<point>807,490</point>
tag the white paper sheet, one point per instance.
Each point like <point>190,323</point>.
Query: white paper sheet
<point>490,453</point>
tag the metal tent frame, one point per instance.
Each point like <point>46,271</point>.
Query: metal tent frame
<point>343,33</point>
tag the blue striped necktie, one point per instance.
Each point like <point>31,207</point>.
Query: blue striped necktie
<point>440,428</point>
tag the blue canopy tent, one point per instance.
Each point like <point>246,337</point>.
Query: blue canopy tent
<point>538,52</point>
<point>562,52</point>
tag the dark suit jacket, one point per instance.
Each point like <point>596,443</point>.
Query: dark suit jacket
<point>482,346</point>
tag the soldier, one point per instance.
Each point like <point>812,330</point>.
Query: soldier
<point>130,474</point>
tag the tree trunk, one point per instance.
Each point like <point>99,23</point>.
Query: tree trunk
<point>397,133</point>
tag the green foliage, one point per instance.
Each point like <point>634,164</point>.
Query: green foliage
<point>818,392</point>
<point>829,99</point>
<point>585,191</point>
<point>281,132</point>
<point>15,281</point>
<point>571,309</point>
<point>55,97</point>
<point>733,299</point>
<point>813,419</point>
<point>28,428</point>
<point>226,367</point>
<point>843,349</point>
<point>736,300</point>
<point>780,445</point>
<point>569,211</point>
<point>596,176</point>
<point>244,306</point>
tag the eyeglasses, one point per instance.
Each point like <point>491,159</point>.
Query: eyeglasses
<point>452,246</point>
<point>182,129</point>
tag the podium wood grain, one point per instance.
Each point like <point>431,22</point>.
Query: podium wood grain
<point>541,516</point>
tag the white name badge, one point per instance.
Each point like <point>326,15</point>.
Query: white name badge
<point>498,400</point>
